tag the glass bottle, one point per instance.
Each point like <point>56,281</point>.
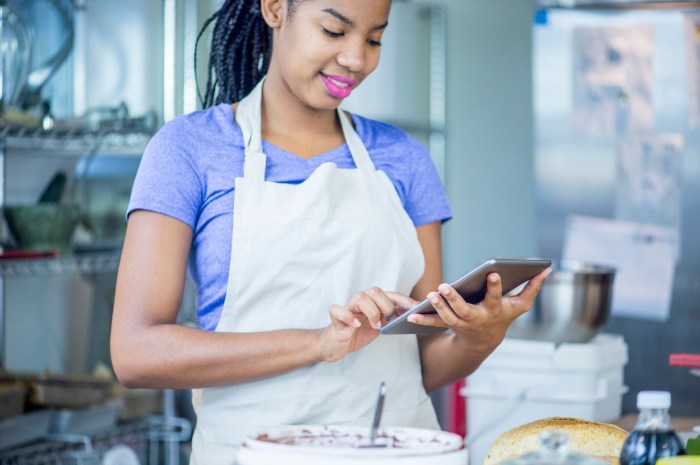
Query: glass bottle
<point>653,437</point>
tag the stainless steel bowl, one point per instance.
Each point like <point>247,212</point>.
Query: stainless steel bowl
<point>572,306</point>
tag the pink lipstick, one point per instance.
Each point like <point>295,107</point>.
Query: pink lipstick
<point>338,87</point>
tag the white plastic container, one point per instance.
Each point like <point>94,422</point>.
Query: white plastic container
<point>341,445</point>
<point>523,381</point>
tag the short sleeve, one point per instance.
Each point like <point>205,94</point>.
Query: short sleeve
<point>166,181</point>
<point>425,199</point>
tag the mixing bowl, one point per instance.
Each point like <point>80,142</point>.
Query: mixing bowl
<point>44,226</point>
<point>572,306</point>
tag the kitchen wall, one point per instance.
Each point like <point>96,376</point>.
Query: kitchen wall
<point>489,133</point>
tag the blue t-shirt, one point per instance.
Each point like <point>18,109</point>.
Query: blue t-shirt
<point>188,172</point>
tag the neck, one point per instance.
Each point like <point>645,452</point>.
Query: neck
<point>283,114</point>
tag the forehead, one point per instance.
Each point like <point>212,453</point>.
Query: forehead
<point>359,12</point>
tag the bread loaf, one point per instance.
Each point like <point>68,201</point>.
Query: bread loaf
<point>599,440</point>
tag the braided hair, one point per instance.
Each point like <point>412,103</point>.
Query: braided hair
<point>241,47</point>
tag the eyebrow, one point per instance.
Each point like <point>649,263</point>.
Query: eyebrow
<point>345,20</point>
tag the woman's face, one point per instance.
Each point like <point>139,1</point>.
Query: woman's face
<point>325,48</point>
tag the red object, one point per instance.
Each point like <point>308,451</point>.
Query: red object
<point>457,409</point>
<point>20,254</point>
<point>685,360</point>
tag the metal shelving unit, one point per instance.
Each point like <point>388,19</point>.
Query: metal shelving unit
<point>155,439</point>
<point>89,262</point>
<point>147,438</point>
<point>74,142</point>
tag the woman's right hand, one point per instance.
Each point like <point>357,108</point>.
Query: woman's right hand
<point>357,324</point>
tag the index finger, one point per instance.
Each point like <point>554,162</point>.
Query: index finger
<point>403,302</point>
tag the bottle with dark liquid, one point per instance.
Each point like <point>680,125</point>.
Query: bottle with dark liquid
<point>653,437</point>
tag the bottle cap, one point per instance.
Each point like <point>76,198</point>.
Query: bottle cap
<point>654,399</point>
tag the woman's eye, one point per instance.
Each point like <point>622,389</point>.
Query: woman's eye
<point>374,43</point>
<point>331,33</point>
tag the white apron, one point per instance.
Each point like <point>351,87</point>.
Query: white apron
<point>296,250</point>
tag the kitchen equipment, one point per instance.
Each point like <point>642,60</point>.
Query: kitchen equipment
<point>103,187</point>
<point>572,306</point>
<point>65,390</point>
<point>31,89</point>
<point>12,397</point>
<point>68,390</point>
<point>45,226</point>
<point>523,381</point>
<point>53,191</point>
<point>121,454</point>
<point>341,445</point>
<point>22,429</point>
<point>15,54</point>
<point>377,418</point>
<point>96,419</point>
<point>554,451</point>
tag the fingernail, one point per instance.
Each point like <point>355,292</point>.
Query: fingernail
<point>549,271</point>
<point>433,298</point>
<point>444,289</point>
<point>357,323</point>
<point>412,319</point>
<point>378,325</point>
<point>493,278</point>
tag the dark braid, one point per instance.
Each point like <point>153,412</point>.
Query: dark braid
<point>241,47</point>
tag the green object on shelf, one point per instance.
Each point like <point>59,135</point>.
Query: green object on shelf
<point>45,226</point>
<point>693,446</point>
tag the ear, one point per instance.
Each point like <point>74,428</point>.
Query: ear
<point>273,12</point>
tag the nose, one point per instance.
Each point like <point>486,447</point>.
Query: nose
<point>353,55</point>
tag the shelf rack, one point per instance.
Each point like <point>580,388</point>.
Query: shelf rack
<point>127,135</point>
<point>92,262</point>
<point>147,437</point>
<point>80,139</point>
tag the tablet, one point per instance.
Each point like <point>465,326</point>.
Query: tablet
<point>472,288</point>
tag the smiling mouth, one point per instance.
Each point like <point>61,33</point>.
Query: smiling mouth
<point>338,87</point>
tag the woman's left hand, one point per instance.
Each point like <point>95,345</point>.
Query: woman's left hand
<point>481,326</point>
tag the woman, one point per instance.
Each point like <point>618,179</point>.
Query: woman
<point>304,228</point>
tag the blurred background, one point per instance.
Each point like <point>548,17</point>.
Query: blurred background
<point>561,129</point>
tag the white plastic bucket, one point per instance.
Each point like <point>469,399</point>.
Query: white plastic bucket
<point>523,381</point>
<point>341,445</point>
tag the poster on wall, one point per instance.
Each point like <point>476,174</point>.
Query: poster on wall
<point>643,256</point>
<point>649,176</point>
<point>692,58</point>
<point>613,80</point>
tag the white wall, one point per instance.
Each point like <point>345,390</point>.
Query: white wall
<point>489,159</point>
<point>118,55</point>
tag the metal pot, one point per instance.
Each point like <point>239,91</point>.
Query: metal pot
<point>572,306</point>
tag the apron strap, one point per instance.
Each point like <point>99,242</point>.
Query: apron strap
<point>248,117</point>
<point>357,147</point>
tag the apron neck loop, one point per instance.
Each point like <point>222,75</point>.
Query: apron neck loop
<point>357,147</point>
<point>249,117</point>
